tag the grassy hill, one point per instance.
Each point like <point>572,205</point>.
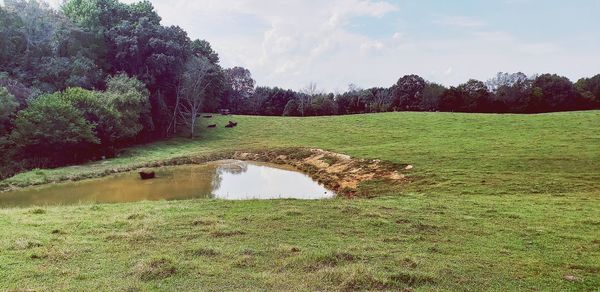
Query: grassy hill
<point>495,202</point>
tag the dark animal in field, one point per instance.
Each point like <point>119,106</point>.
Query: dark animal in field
<point>231,124</point>
<point>212,126</point>
<point>147,174</point>
<point>207,116</point>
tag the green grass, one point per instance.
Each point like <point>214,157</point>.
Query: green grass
<point>495,202</point>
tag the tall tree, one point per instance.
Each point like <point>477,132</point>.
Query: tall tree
<point>196,81</point>
<point>589,88</point>
<point>471,96</point>
<point>431,96</point>
<point>138,45</point>
<point>44,49</point>
<point>554,93</point>
<point>408,92</point>
<point>305,97</point>
<point>131,100</point>
<point>240,87</point>
<point>378,99</point>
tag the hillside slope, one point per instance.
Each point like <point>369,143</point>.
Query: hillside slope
<point>495,202</point>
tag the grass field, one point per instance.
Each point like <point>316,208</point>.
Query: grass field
<point>495,202</point>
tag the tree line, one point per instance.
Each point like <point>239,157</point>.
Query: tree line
<point>81,81</point>
<point>504,93</point>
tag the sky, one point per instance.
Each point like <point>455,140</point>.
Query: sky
<point>333,43</point>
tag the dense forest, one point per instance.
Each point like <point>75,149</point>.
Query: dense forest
<point>97,75</point>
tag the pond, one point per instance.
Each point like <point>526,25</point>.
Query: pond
<point>228,180</point>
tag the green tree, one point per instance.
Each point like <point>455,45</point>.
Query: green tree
<point>554,93</point>
<point>475,95</point>
<point>130,98</point>
<point>589,88</point>
<point>431,96</point>
<point>323,105</point>
<point>240,86</point>
<point>96,110</point>
<point>408,92</point>
<point>471,96</point>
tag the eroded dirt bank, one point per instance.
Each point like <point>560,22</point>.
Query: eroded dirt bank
<point>338,172</point>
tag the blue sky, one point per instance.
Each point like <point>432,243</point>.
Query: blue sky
<point>372,43</point>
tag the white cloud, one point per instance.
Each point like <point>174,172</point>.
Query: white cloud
<point>298,37</point>
<point>371,46</point>
<point>459,21</point>
<point>294,42</point>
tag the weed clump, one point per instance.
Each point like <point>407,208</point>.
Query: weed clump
<point>38,211</point>
<point>425,228</point>
<point>350,210</point>
<point>293,212</point>
<point>355,278</point>
<point>330,260</point>
<point>155,269</point>
<point>286,250</point>
<point>244,261</point>
<point>135,216</point>
<point>57,231</point>
<point>204,222</point>
<point>205,252</point>
<point>330,159</point>
<point>412,279</point>
<point>226,233</point>
<point>22,243</point>
<point>36,256</point>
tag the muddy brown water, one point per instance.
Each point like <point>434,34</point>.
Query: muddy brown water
<point>229,180</point>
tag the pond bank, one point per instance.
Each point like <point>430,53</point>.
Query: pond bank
<point>338,172</point>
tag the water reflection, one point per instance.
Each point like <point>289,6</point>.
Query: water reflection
<point>241,181</point>
<point>232,180</point>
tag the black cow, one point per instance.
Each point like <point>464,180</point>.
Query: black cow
<point>147,174</point>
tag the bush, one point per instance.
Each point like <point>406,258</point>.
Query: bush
<point>51,127</point>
